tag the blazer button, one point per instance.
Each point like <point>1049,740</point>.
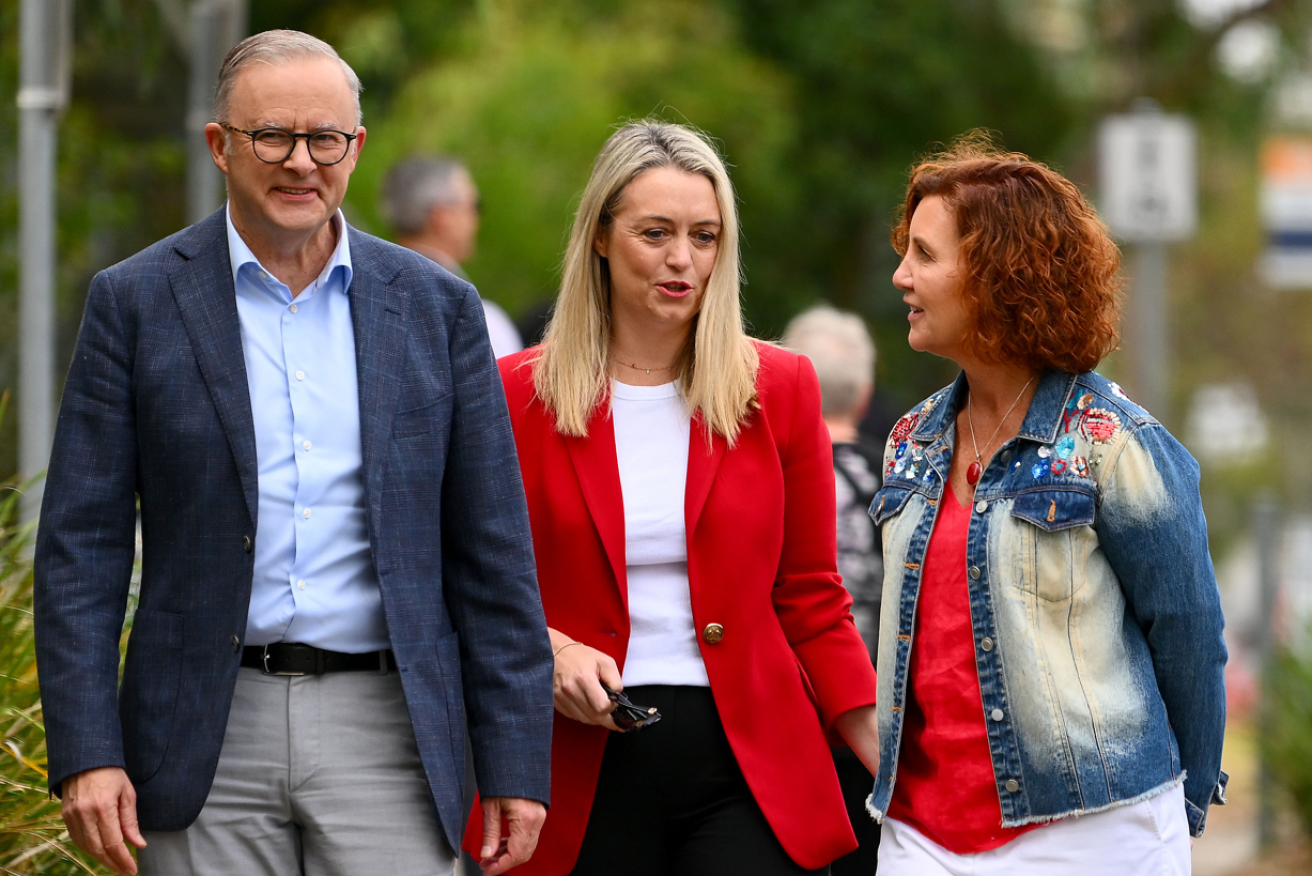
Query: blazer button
<point>246,543</point>
<point>236,645</point>
<point>712,634</point>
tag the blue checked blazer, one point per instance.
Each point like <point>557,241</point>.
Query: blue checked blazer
<point>156,413</point>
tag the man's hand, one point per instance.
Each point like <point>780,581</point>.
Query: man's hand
<point>100,809</point>
<point>523,820</point>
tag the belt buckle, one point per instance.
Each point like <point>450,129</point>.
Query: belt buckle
<point>264,665</point>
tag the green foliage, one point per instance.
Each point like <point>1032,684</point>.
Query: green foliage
<point>32,836</point>
<point>531,96</point>
<point>1285,740</point>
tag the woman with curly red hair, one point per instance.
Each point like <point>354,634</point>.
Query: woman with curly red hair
<point>1051,697</point>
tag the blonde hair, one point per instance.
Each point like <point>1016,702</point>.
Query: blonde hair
<point>717,371</point>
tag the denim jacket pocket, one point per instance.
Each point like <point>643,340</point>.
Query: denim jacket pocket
<point>1055,510</point>
<point>887,502</point>
<point>1053,541</point>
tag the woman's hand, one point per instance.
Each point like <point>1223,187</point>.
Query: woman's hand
<point>576,683</point>
<point>860,731</point>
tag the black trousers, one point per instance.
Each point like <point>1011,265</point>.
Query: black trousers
<point>857,785</point>
<point>671,800</point>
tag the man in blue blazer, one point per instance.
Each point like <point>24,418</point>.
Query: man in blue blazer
<point>336,563</point>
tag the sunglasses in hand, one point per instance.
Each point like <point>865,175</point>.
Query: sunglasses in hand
<point>627,716</point>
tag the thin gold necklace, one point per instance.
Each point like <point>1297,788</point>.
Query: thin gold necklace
<point>976,468</point>
<point>646,370</point>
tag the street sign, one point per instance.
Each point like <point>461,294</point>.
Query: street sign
<point>1148,175</point>
<point>1287,212</point>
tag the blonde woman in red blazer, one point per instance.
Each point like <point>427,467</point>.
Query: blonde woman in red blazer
<point>755,664</point>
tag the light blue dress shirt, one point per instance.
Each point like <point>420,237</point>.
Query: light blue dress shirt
<point>314,575</point>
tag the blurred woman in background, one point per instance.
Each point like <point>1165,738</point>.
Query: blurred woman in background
<point>1051,697</point>
<point>682,502</point>
<point>840,349</point>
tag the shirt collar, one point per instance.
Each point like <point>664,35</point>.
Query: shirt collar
<point>240,254</point>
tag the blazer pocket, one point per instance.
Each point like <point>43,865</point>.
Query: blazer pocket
<point>149,696</point>
<point>428,418</point>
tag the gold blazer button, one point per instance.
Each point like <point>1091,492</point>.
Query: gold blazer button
<point>712,634</point>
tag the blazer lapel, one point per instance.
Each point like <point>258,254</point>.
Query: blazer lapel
<point>598,471</point>
<point>703,463</point>
<point>378,317</point>
<point>207,300</point>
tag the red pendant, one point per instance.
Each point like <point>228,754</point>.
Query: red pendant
<point>973,472</point>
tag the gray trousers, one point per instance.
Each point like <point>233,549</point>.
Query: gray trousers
<point>318,776</point>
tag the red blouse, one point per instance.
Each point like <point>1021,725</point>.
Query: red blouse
<point>945,786</point>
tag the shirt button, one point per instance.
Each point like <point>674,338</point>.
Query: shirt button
<point>713,634</point>
<point>981,506</point>
<point>292,308</point>
<point>996,715</point>
<point>305,445</point>
<point>986,643</point>
<point>263,275</point>
<point>300,585</point>
<point>306,513</point>
<point>300,375</point>
<point>1012,785</point>
<point>975,572</point>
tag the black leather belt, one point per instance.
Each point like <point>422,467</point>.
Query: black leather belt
<point>293,658</point>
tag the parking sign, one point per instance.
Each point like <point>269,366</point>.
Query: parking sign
<point>1148,176</point>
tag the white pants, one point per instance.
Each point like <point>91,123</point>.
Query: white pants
<point>1148,838</point>
<point>318,776</point>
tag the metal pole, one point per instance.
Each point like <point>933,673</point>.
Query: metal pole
<point>44,29</point>
<point>1266,534</point>
<point>216,26</point>
<point>1150,333</point>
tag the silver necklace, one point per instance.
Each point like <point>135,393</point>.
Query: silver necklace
<point>976,468</point>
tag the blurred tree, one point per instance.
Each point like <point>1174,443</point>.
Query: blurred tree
<point>821,109</point>
<point>877,85</point>
<point>533,94</point>
<point>119,167</point>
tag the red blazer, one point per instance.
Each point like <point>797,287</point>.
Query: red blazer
<point>761,563</point>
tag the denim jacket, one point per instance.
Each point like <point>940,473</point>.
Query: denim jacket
<point>1094,605</point>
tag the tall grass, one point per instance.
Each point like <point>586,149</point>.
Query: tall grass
<point>1287,740</point>
<point>32,836</point>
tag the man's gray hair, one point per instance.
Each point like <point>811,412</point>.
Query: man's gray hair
<point>414,186</point>
<point>277,47</point>
<point>841,350</point>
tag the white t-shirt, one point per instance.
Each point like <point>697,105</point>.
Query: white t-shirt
<point>501,331</point>
<point>652,430</point>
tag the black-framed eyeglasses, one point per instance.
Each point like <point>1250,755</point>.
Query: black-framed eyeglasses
<point>274,145</point>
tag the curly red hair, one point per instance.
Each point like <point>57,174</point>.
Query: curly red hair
<point>1042,275</point>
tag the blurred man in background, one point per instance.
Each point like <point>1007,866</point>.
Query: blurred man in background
<point>843,354</point>
<point>432,204</point>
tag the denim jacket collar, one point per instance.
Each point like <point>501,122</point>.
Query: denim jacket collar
<point>1042,421</point>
